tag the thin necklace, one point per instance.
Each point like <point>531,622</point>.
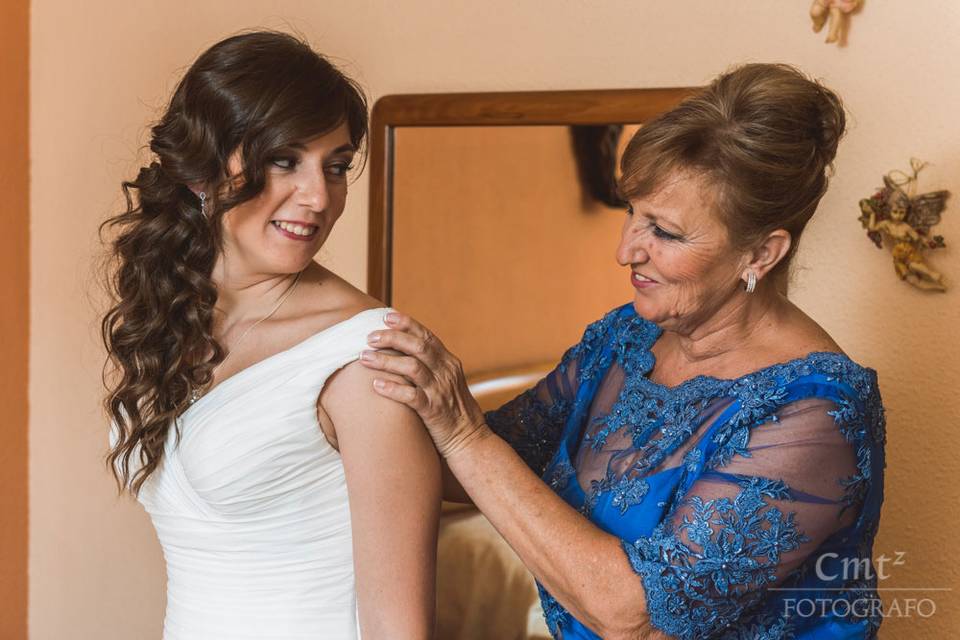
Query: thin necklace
<point>195,394</point>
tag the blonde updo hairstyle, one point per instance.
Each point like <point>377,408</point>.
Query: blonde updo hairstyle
<point>763,135</point>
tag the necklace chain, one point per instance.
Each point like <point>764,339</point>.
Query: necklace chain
<point>195,394</point>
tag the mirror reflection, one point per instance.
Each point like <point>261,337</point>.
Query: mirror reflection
<point>496,236</point>
<point>504,245</point>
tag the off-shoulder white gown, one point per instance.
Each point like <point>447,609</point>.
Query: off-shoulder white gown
<point>251,505</point>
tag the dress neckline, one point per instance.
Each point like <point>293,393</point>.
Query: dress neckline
<point>249,369</point>
<point>813,358</point>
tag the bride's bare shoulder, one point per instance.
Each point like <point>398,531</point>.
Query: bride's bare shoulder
<point>329,298</point>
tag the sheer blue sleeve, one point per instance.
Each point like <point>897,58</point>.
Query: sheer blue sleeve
<point>533,422</point>
<point>766,490</point>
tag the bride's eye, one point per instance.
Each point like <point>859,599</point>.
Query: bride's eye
<point>339,169</point>
<point>284,162</point>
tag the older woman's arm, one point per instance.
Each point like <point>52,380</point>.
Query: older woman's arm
<point>500,475</point>
<point>781,485</point>
<point>584,568</point>
<point>533,422</point>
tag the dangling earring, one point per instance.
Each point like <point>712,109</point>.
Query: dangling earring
<point>751,281</point>
<point>203,203</point>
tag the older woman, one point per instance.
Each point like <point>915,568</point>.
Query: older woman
<point>706,462</point>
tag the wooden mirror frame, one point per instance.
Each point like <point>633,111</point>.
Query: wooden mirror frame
<point>559,108</point>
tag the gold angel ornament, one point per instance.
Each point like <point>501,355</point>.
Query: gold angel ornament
<point>903,219</point>
<point>836,12</point>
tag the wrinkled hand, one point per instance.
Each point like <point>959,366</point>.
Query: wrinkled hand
<point>435,385</point>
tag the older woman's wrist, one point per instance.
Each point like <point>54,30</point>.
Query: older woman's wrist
<point>473,436</point>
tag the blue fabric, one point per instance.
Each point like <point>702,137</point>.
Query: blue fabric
<point>740,503</point>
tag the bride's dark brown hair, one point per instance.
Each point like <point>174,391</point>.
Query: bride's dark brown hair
<point>256,94</point>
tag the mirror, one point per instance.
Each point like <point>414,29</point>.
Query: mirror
<point>494,222</point>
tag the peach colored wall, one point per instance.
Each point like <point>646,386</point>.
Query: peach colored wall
<point>94,562</point>
<point>14,291</point>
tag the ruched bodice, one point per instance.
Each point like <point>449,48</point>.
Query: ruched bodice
<point>251,507</point>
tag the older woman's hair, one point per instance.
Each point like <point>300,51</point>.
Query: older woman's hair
<point>763,135</point>
<point>250,95</point>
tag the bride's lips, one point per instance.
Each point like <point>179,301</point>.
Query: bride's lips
<point>289,233</point>
<point>641,282</point>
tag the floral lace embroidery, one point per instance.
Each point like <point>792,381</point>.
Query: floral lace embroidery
<point>532,427</point>
<point>560,476</point>
<point>554,615</point>
<point>764,626</point>
<point>709,585</point>
<point>736,546</point>
<point>627,492</point>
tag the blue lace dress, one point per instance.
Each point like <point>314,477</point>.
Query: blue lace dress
<point>746,507</point>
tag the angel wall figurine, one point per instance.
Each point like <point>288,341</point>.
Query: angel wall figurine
<point>904,220</point>
<point>834,11</point>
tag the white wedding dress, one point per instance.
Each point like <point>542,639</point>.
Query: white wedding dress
<point>251,505</point>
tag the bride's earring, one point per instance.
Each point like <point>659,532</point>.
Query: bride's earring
<point>203,203</point>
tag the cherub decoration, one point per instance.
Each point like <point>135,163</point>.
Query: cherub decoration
<point>836,11</point>
<point>905,220</point>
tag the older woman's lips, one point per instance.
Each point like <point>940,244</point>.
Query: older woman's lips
<point>640,282</point>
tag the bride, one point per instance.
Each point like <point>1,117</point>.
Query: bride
<point>290,499</point>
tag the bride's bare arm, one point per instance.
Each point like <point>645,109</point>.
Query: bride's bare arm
<point>393,481</point>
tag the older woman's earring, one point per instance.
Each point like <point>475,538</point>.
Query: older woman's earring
<point>203,203</point>
<point>751,281</point>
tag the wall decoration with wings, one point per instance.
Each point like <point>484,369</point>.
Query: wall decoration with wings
<point>837,14</point>
<point>895,214</point>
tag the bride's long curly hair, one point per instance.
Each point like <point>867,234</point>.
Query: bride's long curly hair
<point>254,93</point>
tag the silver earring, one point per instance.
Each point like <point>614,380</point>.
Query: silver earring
<point>203,203</point>
<point>751,281</point>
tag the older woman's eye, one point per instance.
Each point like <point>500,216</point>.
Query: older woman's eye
<point>663,233</point>
<point>284,162</point>
<point>629,210</point>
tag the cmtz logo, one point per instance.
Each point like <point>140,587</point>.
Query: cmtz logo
<point>860,603</point>
<point>857,568</point>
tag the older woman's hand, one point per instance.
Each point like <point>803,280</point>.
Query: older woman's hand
<point>436,387</point>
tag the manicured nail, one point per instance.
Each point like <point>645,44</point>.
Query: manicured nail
<point>391,318</point>
<point>379,384</point>
<point>373,338</point>
<point>366,355</point>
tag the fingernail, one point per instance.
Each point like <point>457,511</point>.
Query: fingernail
<point>391,318</point>
<point>379,384</point>
<point>366,355</point>
<point>373,338</point>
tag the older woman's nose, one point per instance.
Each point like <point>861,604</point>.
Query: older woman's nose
<point>312,192</point>
<point>631,250</point>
